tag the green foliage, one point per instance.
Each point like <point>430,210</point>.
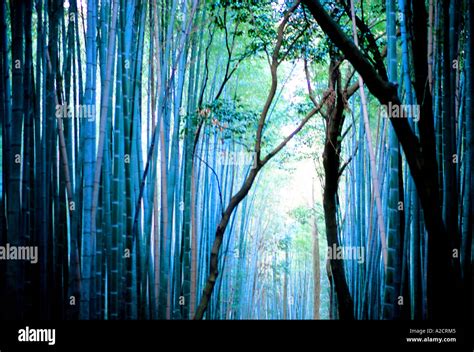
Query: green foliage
<point>232,120</point>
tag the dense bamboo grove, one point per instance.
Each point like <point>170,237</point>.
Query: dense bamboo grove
<point>236,159</point>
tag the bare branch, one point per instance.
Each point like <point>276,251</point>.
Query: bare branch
<point>343,166</point>
<point>295,131</point>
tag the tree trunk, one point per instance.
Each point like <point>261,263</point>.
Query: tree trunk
<point>331,163</point>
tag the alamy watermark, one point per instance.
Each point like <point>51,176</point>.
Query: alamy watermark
<point>27,253</point>
<point>241,158</point>
<point>77,111</point>
<point>396,111</point>
<point>37,335</point>
<point>346,253</point>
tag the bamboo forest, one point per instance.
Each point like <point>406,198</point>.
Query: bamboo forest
<point>236,159</point>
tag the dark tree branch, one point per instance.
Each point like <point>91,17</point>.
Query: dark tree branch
<point>347,162</point>
<point>371,40</point>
